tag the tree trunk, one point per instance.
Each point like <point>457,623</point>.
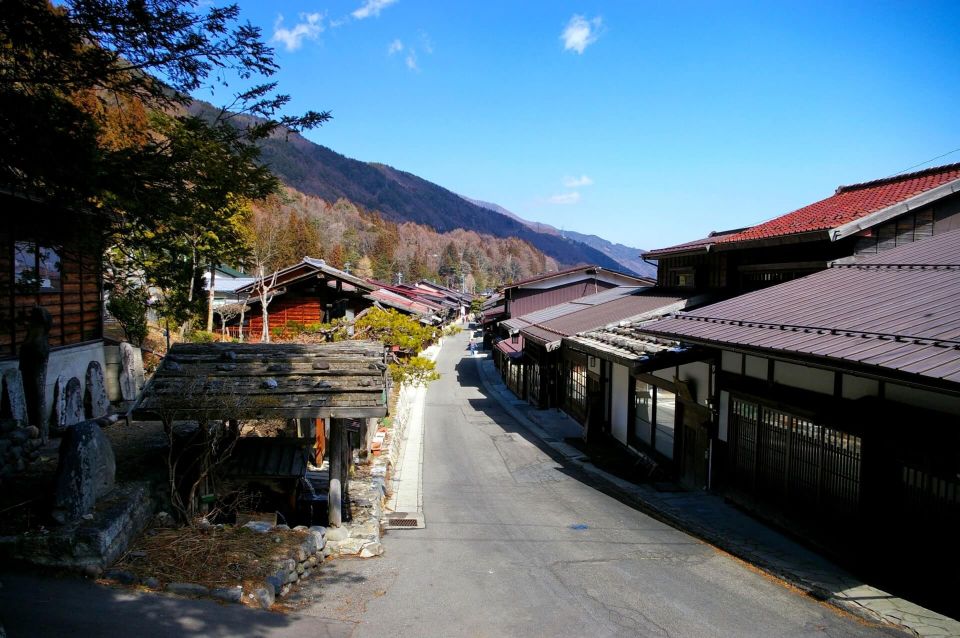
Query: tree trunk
<point>213,275</point>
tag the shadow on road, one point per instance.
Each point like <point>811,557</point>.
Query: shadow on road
<point>40,606</point>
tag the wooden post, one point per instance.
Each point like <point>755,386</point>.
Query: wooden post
<point>339,468</point>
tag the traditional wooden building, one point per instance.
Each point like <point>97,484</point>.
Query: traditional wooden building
<point>835,400</point>
<point>309,292</point>
<point>857,220</point>
<point>50,257</point>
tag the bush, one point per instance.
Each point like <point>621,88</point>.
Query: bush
<point>452,330</point>
<point>414,371</point>
<point>201,336</point>
<point>129,307</point>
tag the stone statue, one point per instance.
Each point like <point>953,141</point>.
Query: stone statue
<point>34,353</point>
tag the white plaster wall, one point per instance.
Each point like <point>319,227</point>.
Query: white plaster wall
<point>858,387</point>
<point>698,375</point>
<point>70,362</point>
<point>666,374</point>
<point>797,376</point>
<point>756,367</point>
<point>619,397</point>
<point>723,425</point>
<point>923,398</point>
<point>731,361</point>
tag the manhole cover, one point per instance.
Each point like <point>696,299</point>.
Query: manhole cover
<point>404,520</point>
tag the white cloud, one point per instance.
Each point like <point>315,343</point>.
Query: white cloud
<point>309,28</point>
<point>425,42</point>
<point>581,33</point>
<point>577,182</point>
<point>371,8</point>
<point>411,60</point>
<point>395,47</point>
<point>564,198</point>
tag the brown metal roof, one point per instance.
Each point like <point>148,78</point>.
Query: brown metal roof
<point>549,326</point>
<point>898,310</point>
<point>248,381</point>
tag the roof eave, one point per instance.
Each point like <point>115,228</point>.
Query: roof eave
<point>888,213</point>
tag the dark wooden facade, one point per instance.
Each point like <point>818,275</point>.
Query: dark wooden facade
<point>51,257</point>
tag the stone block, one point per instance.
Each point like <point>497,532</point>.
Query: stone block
<point>276,581</point>
<point>370,550</point>
<point>121,576</point>
<point>228,594</point>
<point>86,471</point>
<point>67,404</point>
<point>187,589</point>
<point>13,402</point>
<point>265,596</point>
<point>131,371</point>
<point>337,534</point>
<point>95,401</point>
<point>151,582</point>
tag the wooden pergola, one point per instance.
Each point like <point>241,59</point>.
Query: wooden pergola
<point>239,381</point>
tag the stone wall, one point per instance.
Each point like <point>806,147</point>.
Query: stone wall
<point>19,446</point>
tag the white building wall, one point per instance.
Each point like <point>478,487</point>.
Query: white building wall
<point>620,395</point>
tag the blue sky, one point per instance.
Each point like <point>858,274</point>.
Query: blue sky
<point>647,123</point>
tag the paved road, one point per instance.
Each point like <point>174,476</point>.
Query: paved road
<point>517,546</point>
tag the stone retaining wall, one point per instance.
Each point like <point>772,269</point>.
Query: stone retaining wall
<point>19,446</point>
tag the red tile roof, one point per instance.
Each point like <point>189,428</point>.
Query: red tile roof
<point>850,203</point>
<point>847,204</point>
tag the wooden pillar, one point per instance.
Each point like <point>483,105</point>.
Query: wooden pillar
<point>339,470</point>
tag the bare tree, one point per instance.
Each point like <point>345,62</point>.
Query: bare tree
<point>208,432</point>
<point>227,312</point>
<point>266,290</point>
<point>266,248</point>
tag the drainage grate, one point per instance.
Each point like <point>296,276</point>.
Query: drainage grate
<point>404,520</point>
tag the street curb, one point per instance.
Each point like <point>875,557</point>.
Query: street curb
<point>623,489</point>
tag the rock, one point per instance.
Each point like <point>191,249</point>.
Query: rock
<point>269,384</point>
<point>8,425</point>
<point>282,527</point>
<point>187,589</point>
<point>337,534</point>
<point>228,594</point>
<point>15,451</point>
<point>306,573</point>
<point>371,549</point>
<point>92,571</point>
<point>300,569</point>
<point>95,401</point>
<point>318,529</point>
<point>292,577</point>
<point>151,582</point>
<point>13,403</point>
<point>284,591</point>
<point>18,436</point>
<point>277,581</point>
<point>350,546</point>
<point>163,519</point>
<point>121,576</point>
<point>260,527</point>
<point>85,472</point>
<point>327,551</point>
<point>265,596</point>
<point>19,466</point>
<point>300,528</point>
<point>32,432</point>
<point>311,562</point>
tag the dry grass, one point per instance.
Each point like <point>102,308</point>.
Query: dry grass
<point>210,557</point>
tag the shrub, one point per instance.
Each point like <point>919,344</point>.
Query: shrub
<point>414,371</point>
<point>129,307</point>
<point>201,336</point>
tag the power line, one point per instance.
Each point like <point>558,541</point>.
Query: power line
<point>927,162</point>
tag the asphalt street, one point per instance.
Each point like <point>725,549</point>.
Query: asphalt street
<point>515,544</point>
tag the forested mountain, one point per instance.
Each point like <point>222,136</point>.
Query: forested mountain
<point>402,197</point>
<point>627,256</point>
<point>347,236</point>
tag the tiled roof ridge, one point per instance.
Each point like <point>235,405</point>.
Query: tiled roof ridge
<point>897,178</point>
<point>746,323</point>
